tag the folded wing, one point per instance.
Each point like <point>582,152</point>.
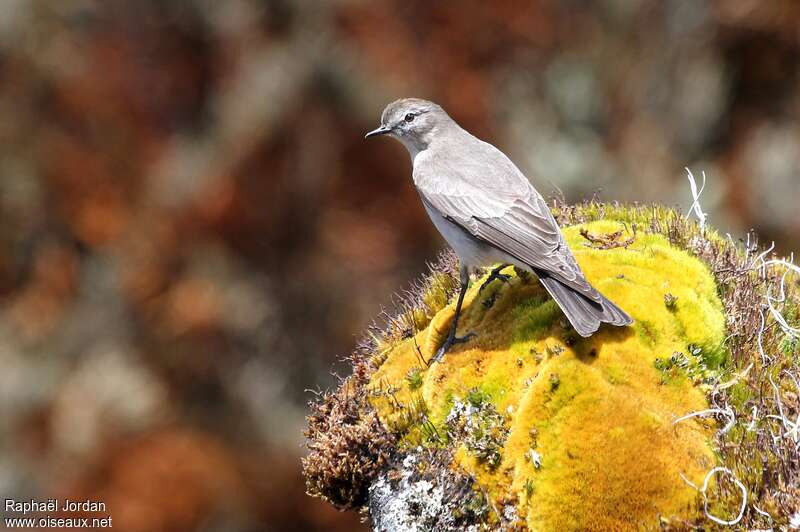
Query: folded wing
<point>519,224</point>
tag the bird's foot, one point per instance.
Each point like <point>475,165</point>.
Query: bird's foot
<point>495,275</point>
<point>451,341</point>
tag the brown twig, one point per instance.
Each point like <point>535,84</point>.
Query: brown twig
<point>608,240</point>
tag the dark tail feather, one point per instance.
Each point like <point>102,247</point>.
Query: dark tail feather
<point>584,315</point>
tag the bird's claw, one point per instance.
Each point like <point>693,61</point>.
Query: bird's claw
<point>451,341</point>
<point>495,275</point>
<point>462,339</point>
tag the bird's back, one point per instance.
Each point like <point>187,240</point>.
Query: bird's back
<point>458,163</point>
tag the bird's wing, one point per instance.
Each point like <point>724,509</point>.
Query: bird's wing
<point>519,224</point>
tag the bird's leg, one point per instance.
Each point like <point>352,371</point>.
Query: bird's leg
<point>451,337</point>
<point>495,274</point>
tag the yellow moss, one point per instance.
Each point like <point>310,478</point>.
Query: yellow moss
<point>598,411</point>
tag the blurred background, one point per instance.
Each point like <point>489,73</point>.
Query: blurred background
<point>193,230</point>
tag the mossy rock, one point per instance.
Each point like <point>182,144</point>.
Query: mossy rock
<point>529,426</point>
<point>598,411</point>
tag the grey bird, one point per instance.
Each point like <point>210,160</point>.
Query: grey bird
<point>489,213</point>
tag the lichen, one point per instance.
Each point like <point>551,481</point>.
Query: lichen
<point>476,424</point>
<point>415,496</point>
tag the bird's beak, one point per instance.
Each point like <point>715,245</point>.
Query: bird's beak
<point>379,131</point>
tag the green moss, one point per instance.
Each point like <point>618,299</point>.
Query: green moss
<point>477,397</point>
<point>789,345</point>
<point>439,289</point>
<point>713,357</point>
<point>414,378</point>
<point>590,441</point>
<point>534,317</point>
<point>596,405</point>
<point>647,332</point>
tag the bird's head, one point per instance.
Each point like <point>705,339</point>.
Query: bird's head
<point>413,122</point>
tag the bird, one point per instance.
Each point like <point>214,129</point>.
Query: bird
<point>490,213</point>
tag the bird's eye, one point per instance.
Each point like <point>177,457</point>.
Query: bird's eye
<point>410,117</point>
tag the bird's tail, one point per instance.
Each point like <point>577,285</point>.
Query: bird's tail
<point>584,314</point>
